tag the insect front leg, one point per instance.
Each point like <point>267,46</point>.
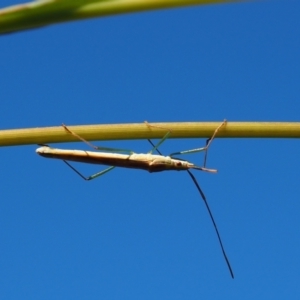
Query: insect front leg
<point>208,143</point>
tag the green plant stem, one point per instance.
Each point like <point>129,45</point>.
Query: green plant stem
<point>45,135</point>
<point>45,12</point>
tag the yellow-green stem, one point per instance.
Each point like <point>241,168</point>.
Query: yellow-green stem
<point>45,12</point>
<point>58,134</point>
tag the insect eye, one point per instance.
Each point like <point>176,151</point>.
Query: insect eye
<point>179,164</point>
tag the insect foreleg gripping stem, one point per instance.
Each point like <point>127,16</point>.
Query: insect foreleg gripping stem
<point>208,143</point>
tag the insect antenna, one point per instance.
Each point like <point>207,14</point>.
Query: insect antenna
<point>214,223</point>
<point>209,211</point>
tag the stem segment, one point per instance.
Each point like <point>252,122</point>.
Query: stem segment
<point>58,134</point>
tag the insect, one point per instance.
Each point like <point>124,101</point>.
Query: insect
<point>149,162</point>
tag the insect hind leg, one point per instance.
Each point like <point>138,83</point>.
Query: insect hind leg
<point>92,176</point>
<point>97,148</point>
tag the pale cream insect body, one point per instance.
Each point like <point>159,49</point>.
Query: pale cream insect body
<point>149,162</point>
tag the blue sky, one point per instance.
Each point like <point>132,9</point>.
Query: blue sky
<point>135,235</point>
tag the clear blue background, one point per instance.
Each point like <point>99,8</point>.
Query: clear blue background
<point>135,235</point>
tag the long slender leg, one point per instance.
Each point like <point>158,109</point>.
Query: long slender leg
<point>92,176</point>
<point>161,141</point>
<point>209,141</point>
<point>93,146</point>
<point>205,156</point>
<point>154,147</point>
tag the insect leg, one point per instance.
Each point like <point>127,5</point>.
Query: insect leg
<point>209,141</point>
<point>92,176</point>
<point>205,156</point>
<point>155,147</point>
<point>93,146</point>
